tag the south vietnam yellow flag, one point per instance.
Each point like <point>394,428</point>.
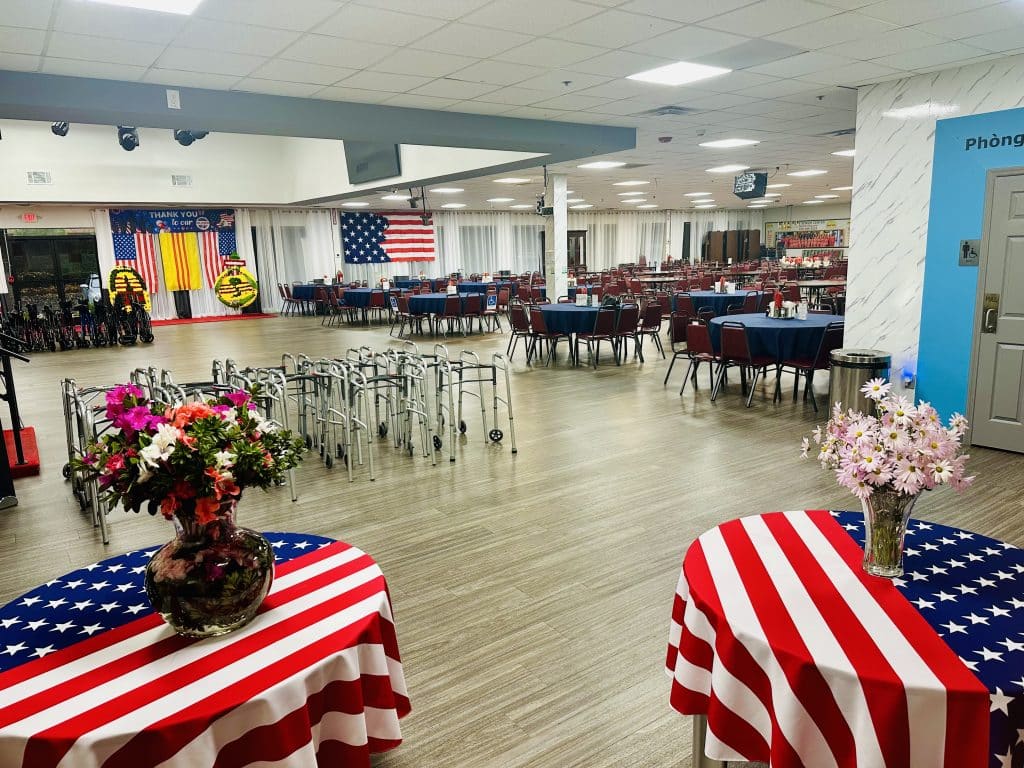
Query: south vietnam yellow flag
<point>179,252</point>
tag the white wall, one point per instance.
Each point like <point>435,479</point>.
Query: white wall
<point>809,213</point>
<point>48,217</point>
<point>892,192</point>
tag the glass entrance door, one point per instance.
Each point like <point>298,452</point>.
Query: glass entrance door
<point>48,270</point>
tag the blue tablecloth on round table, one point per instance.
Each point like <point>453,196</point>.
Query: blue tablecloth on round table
<point>359,297</point>
<point>780,339</point>
<point>568,318</point>
<point>719,302</point>
<point>573,291</point>
<point>431,303</point>
<point>483,287</point>
<point>305,292</point>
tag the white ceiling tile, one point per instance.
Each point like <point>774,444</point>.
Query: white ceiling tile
<point>538,16</point>
<point>831,98</point>
<point>466,40</point>
<point>908,12</point>
<point>213,62</point>
<point>236,38</point>
<point>774,89</point>
<point>300,15</point>
<point>437,9</point>
<point>427,63</point>
<point>834,29</point>
<point>620,64</point>
<point>420,102</point>
<point>992,18</point>
<point>20,40</point>
<point>358,95</point>
<point>572,101</point>
<point>736,81</point>
<point>545,52</point>
<point>515,96</point>
<point>615,29</point>
<point>769,16</point>
<point>1004,40</point>
<point>885,44</point>
<point>97,69</point>
<point>688,43</point>
<point>480,107</point>
<point>713,101</point>
<point>112,21</point>
<point>276,87</point>
<point>623,89</point>
<point>802,64</point>
<point>19,62</point>
<point>933,56</point>
<point>851,75</point>
<point>563,81</point>
<point>330,51</point>
<point>360,22</point>
<point>533,113</point>
<point>189,79</point>
<point>687,12</point>
<point>301,72</point>
<point>28,13</point>
<point>67,46</point>
<point>847,5</point>
<point>384,81</point>
<point>446,88</point>
<point>497,72</point>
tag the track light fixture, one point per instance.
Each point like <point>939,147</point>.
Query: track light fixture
<point>60,129</point>
<point>187,138</point>
<point>127,137</point>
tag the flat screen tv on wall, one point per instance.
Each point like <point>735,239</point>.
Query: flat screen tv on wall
<point>370,161</point>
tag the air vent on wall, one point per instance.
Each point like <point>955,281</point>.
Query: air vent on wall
<point>667,111</point>
<point>39,177</point>
<point>180,180</point>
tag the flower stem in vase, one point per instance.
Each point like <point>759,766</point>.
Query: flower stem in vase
<point>886,513</point>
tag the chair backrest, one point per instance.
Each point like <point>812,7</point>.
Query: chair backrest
<point>320,295</point>
<point>792,292</point>
<point>706,314</point>
<point>706,282</point>
<point>684,304</point>
<point>453,305</point>
<point>831,339</point>
<point>597,290</point>
<point>524,293</point>
<point>735,309</point>
<point>518,317</point>
<point>502,295</point>
<point>288,292</point>
<point>698,339</point>
<point>611,289</point>
<point>734,341</point>
<point>473,304</point>
<point>537,320</point>
<point>652,316</point>
<point>280,290</point>
<point>403,304</point>
<point>677,323</point>
<point>635,286</point>
<point>751,303</point>
<point>604,322</point>
<point>629,318</point>
<point>377,299</point>
<point>565,300</point>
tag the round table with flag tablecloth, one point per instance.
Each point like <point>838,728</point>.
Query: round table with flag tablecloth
<point>92,676</point>
<point>798,657</point>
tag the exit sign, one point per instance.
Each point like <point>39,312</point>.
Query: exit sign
<point>29,218</point>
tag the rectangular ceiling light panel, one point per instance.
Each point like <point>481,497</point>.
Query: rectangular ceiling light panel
<point>680,73</point>
<point>182,7</point>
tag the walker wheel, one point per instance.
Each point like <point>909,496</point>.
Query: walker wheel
<point>437,443</point>
<point>462,427</point>
<point>66,471</point>
<point>496,435</point>
<point>329,461</point>
<point>410,449</point>
<point>382,430</point>
<point>340,449</point>
<point>83,500</point>
<point>309,442</point>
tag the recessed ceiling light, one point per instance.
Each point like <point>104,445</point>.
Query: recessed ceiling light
<point>758,205</point>
<point>728,168</point>
<point>521,206</point>
<point>680,73</point>
<point>845,153</point>
<point>696,194</point>
<point>812,172</point>
<point>500,199</point>
<point>183,7</point>
<point>841,189</point>
<point>601,164</point>
<point>630,194</point>
<point>772,194</point>
<point>633,200</point>
<point>511,180</point>
<point>395,197</point>
<point>448,190</point>
<point>927,109</point>
<point>703,200</point>
<point>778,186</point>
<point>574,200</point>
<point>826,197</point>
<point>454,205</point>
<point>649,205</point>
<point>629,183</point>
<point>569,192</point>
<point>705,206</point>
<point>813,202</point>
<point>729,143</point>
<point>581,207</point>
<point>354,205</point>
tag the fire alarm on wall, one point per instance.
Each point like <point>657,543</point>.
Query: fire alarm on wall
<point>29,218</point>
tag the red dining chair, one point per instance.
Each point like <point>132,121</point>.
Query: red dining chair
<point>472,309</point>
<point>452,314</point>
<point>831,339</point>
<point>736,353</point>
<point>603,330</point>
<point>539,333</point>
<point>650,325</point>
<point>627,328</point>
<point>699,349</point>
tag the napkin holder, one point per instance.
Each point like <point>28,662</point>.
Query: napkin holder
<point>452,290</point>
<point>582,299</point>
<point>595,300</point>
<point>385,286</point>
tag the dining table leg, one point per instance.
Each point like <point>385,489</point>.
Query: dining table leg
<point>700,732</point>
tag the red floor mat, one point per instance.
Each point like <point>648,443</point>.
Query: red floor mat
<point>31,451</point>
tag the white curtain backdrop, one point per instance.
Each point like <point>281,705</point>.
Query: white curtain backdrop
<point>291,247</point>
<point>702,222</point>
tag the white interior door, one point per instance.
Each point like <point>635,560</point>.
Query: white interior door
<point>998,406</point>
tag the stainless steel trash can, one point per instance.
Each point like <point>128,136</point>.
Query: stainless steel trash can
<point>851,369</point>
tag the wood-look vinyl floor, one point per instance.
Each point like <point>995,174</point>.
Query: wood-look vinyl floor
<point>532,592</point>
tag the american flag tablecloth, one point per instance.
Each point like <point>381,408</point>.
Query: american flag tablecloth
<point>91,676</point>
<point>799,658</point>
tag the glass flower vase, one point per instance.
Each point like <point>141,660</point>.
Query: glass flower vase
<point>886,513</point>
<point>210,579</point>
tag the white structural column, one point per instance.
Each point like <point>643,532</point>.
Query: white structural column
<point>556,237</point>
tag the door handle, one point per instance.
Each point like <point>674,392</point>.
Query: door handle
<point>990,313</point>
